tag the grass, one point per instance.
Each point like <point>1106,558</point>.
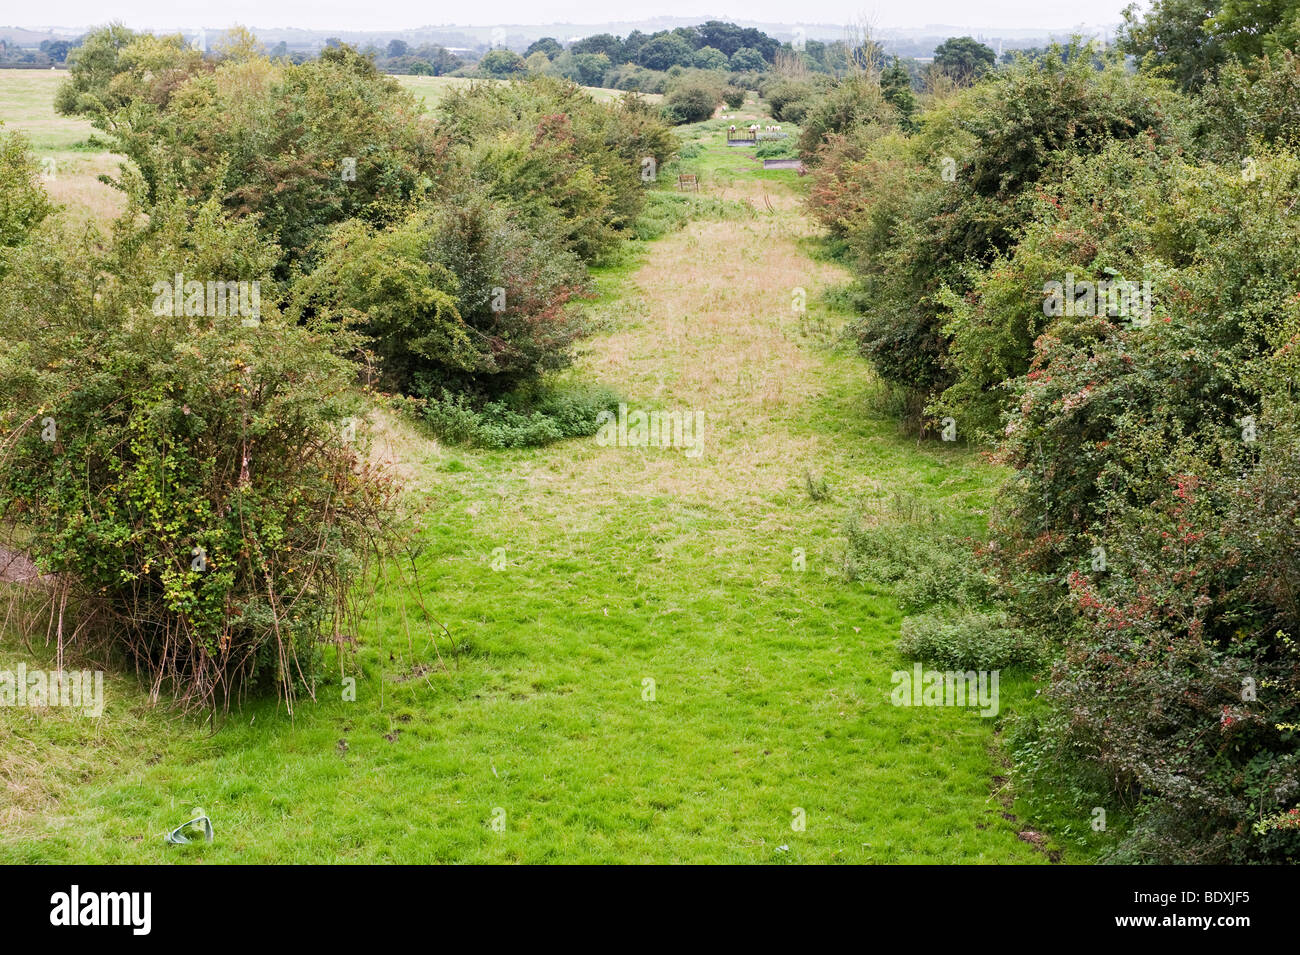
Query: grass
<point>636,666</point>
<point>78,158</point>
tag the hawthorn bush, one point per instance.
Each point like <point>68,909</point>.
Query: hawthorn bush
<point>23,203</point>
<point>569,166</point>
<point>916,212</point>
<point>190,481</point>
<point>1150,529</point>
<point>691,102</point>
<point>1144,550</point>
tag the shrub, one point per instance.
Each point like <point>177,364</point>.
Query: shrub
<point>775,149</point>
<point>569,165</point>
<point>973,641</point>
<point>925,567</point>
<point>693,96</point>
<point>1252,103</point>
<point>854,104</point>
<point>915,231</point>
<point>1151,522</point>
<point>458,296</point>
<point>187,478</point>
<point>270,138</point>
<point>789,99</point>
<point>528,418</point>
<point>23,203</point>
<point>1088,226</point>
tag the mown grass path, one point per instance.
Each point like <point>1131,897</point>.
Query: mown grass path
<point>570,576</point>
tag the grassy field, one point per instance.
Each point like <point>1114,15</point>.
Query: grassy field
<point>634,666</point>
<point>73,158</point>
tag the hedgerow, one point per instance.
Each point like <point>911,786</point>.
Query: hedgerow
<point>1143,552</point>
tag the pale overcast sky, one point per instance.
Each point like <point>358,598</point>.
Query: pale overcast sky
<point>400,14</point>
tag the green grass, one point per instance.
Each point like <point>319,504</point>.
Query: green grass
<point>78,151</point>
<point>27,103</point>
<point>720,166</point>
<point>568,576</point>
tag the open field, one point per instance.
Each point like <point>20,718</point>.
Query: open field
<point>78,157</point>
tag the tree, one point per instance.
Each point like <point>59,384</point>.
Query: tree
<point>441,60</point>
<point>632,47</point>
<point>664,50</point>
<point>56,50</point>
<point>896,85</point>
<point>590,68</point>
<point>1173,35</point>
<point>728,37</point>
<point>1251,28</point>
<point>964,58</point>
<point>747,58</point>
<point>690,104</point>
<point>721,36</point>
<point>94,64</point>
<point>23,203</point>
<point>501,63</point>
<point>397,48</point>
<point>605,43</point>
<point>710,58</point>
<point>548,45</point>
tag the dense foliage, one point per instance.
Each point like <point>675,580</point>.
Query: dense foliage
<point>917,211</point>
<point>189,479</point>
<point>1096,273</point>
<point>301,147</point>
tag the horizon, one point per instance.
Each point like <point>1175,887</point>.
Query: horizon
<point>293,15</point>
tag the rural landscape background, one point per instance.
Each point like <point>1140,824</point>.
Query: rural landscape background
<point>592,438</point>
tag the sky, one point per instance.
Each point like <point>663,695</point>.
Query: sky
<point>380,15</point>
